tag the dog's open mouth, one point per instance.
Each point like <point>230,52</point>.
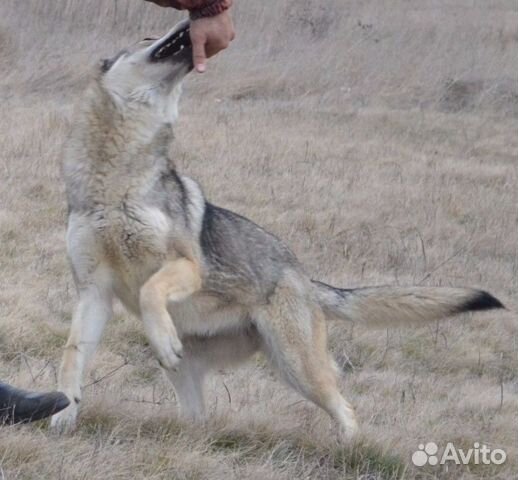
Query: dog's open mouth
<point>173,45</point>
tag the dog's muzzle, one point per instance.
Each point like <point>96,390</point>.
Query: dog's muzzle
<point>174,45</point>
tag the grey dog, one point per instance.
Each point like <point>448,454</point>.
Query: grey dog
<point>211,287</point>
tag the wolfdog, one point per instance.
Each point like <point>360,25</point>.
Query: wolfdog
<point>210,286</point>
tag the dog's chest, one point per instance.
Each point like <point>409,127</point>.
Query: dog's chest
<point>132,241</point>
<point>137,230</point>
<point>124,237</point>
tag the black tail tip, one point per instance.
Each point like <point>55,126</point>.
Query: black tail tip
<point>481,301</point>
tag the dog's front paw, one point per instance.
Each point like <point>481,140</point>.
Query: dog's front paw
<point>169,351</point>
<point>65,421</point>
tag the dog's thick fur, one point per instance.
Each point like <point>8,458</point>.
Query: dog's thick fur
<point>210,286</point>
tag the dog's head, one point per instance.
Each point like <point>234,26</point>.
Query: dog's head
<point>149,73</point>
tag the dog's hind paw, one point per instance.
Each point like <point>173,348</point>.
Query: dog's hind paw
<point>348,426</point>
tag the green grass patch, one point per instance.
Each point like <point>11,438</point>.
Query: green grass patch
<point>359,459</point>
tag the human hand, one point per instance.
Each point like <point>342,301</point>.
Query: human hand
<point>210,35</point>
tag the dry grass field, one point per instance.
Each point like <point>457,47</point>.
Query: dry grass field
<point>379,139</point>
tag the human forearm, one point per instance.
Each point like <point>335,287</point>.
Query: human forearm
<point>198,8</point>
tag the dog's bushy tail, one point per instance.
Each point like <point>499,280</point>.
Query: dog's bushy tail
<point>382,307</point>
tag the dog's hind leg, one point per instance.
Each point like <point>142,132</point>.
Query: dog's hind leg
<point>295,339</point>
<point>174,282</point>
<point>92,313</point>
<point>204,353</point>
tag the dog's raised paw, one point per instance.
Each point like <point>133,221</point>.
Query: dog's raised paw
<point>169,351</point>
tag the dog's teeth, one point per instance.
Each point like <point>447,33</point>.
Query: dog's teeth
<point>180,35</point>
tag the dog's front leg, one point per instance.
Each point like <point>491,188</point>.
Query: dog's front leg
<point>174,282</point>
<point>93,311</point>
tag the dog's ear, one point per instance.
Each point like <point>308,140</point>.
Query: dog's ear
<point>105,64</point>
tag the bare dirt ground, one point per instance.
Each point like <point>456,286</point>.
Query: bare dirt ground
<point>379,139</point>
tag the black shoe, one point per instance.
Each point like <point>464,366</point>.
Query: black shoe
<point>19,406</point>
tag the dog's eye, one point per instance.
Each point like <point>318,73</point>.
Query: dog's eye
<point>149,39</point>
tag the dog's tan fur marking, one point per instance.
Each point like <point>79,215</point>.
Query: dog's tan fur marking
<point>295,336</point>
<point>174,282</point>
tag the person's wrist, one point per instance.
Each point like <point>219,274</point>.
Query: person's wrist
<point>210,10</point>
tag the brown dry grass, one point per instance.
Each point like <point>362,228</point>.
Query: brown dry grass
<point>377,138</point>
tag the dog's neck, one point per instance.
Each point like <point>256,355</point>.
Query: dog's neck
<point>124,132</point>
<point>114,150</point>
